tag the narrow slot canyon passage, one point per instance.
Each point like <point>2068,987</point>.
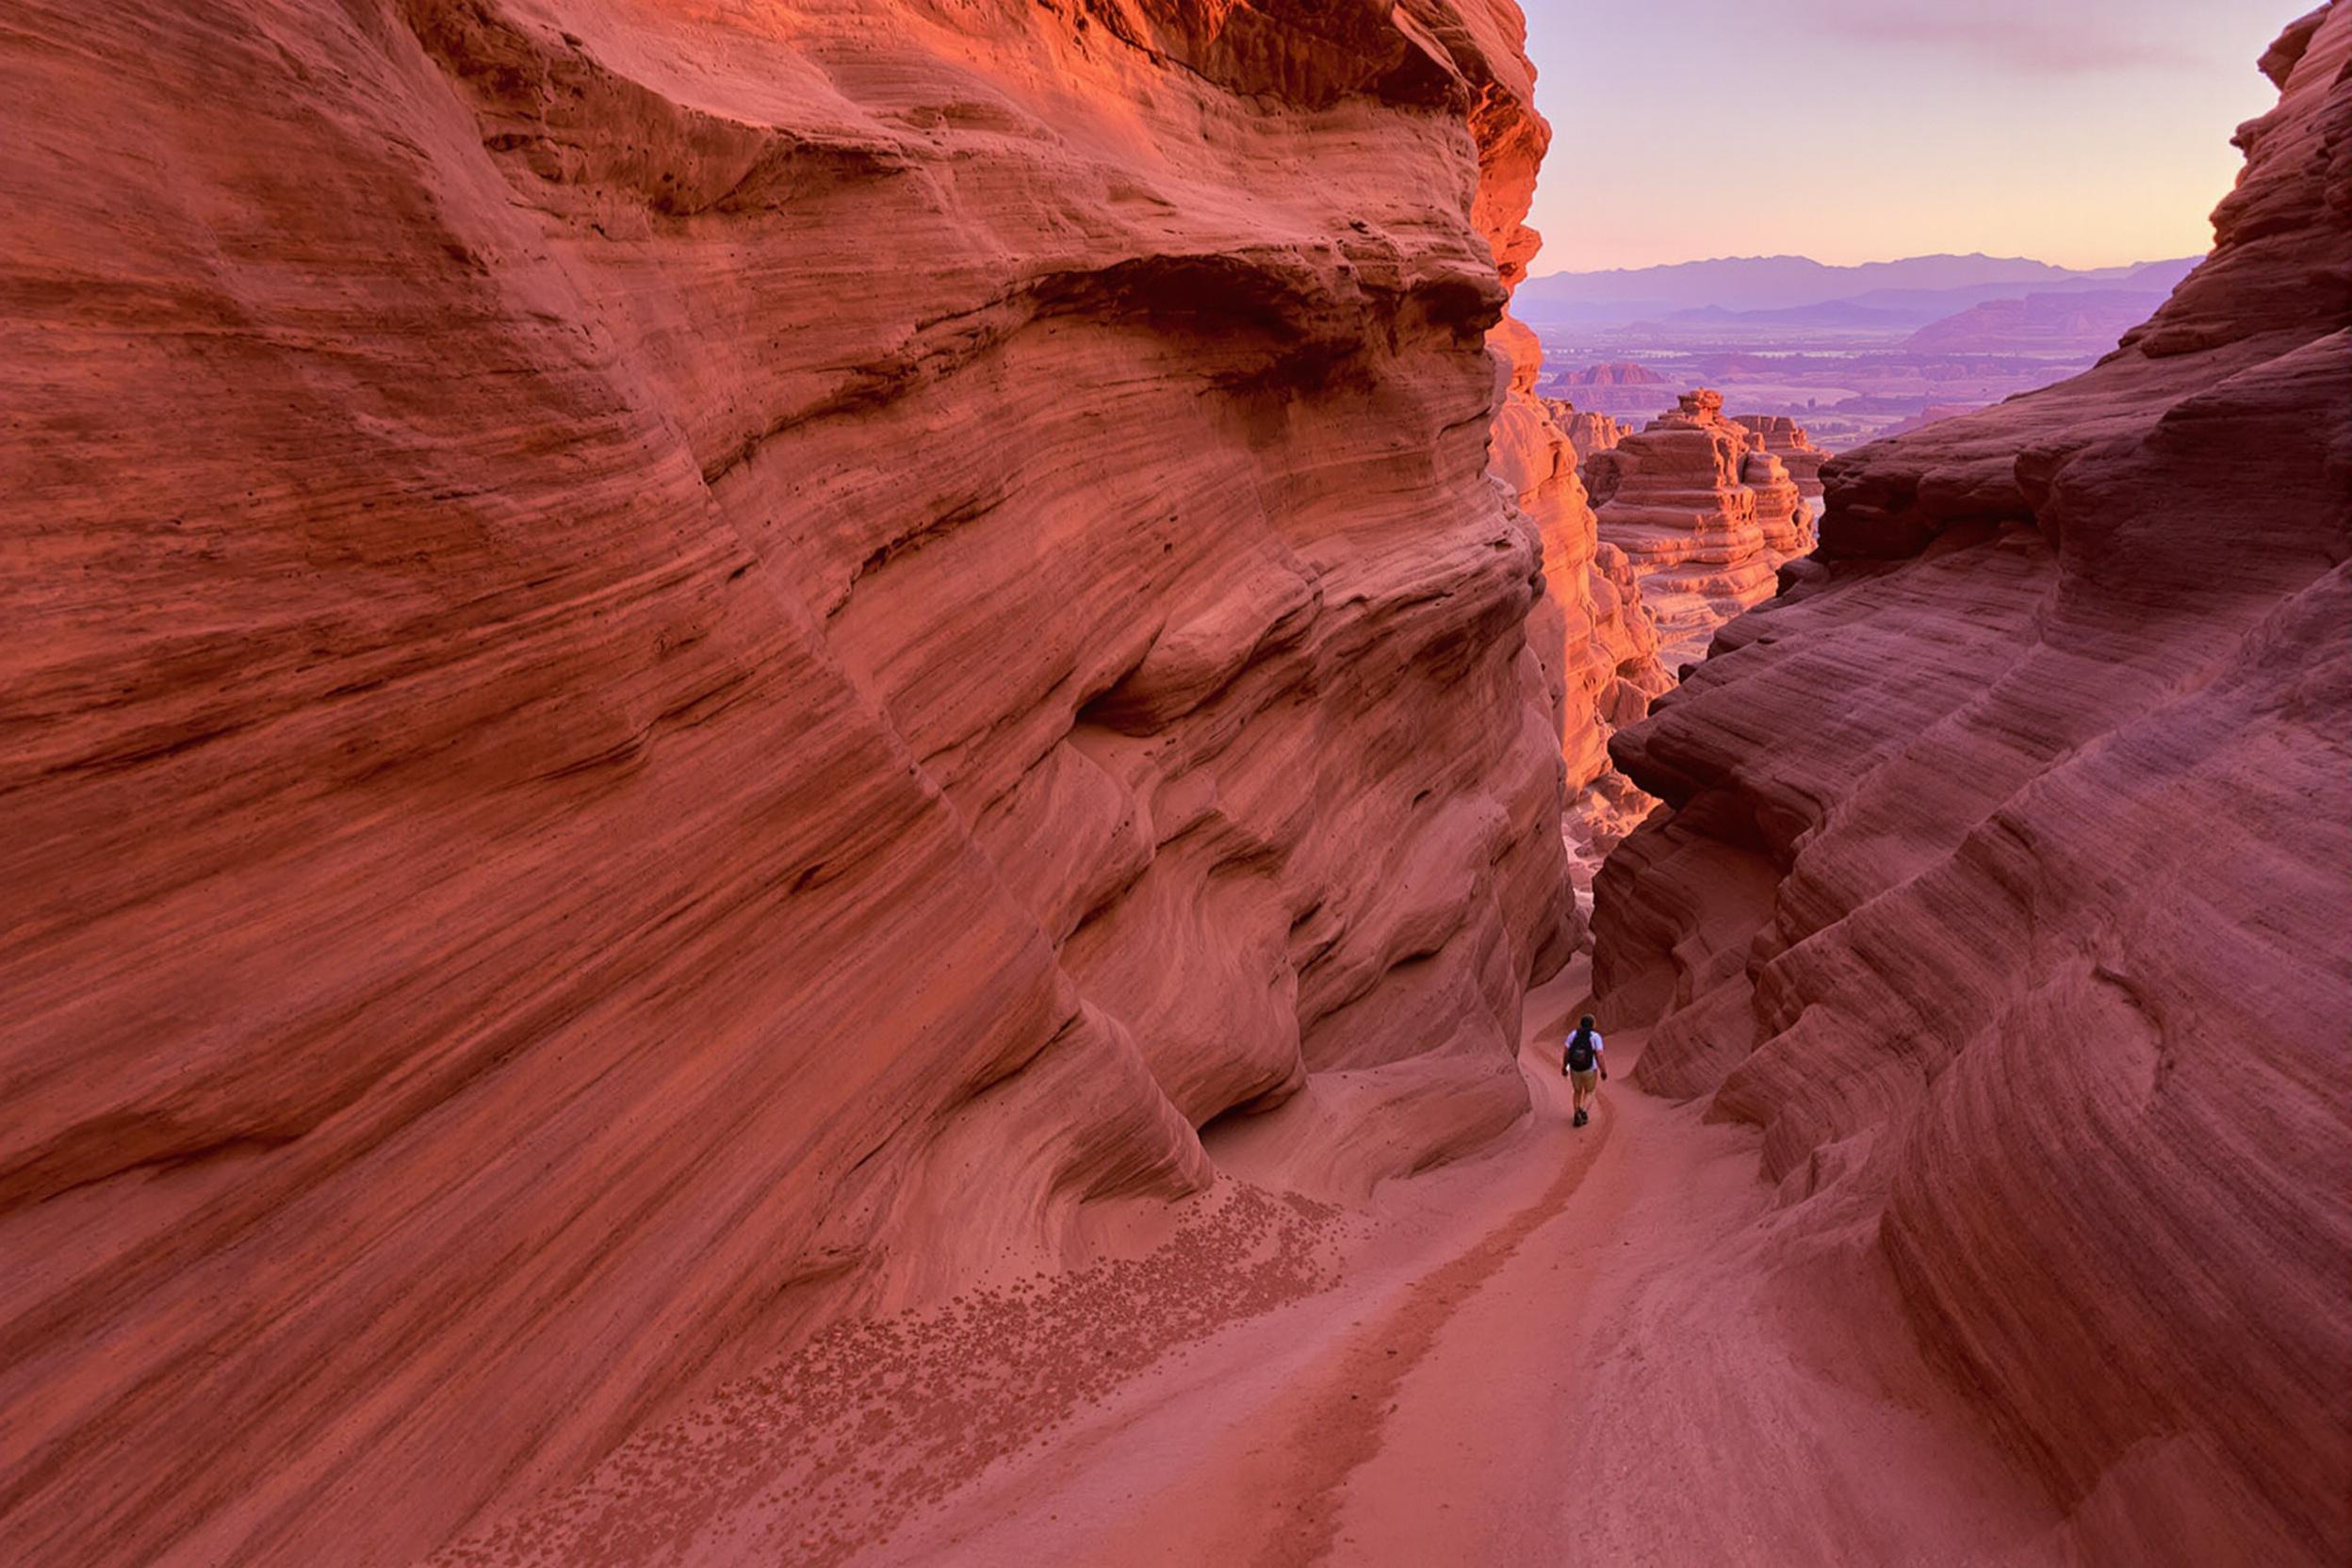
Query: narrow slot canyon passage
<point>825,783</point>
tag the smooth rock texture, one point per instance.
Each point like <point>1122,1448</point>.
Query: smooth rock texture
<point>676,671</point>
<point>1786,439</point>
<point>1705,515</point>
<point>2007,887</point>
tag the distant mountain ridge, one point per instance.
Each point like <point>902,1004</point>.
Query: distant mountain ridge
<point>1800,290</point>
<point>2064,319</point>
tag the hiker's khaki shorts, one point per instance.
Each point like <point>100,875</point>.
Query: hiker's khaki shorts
<point>1585,1083</point>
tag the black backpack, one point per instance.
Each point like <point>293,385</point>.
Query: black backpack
<point>1580,1052</point>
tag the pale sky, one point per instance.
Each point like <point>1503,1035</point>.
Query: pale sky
<point>2082,132</point>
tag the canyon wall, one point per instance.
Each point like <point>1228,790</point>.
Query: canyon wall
<point>1591,632</point>
<point>677,670</point>
<point>2007,887</point>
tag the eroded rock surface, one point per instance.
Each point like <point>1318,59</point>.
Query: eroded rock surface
<point>2008,888</point>
<point>1595,638</point>
<point>1587,432</point>
<point>1705,517</point>
<point>1781,435</point>
<point>675,671</point>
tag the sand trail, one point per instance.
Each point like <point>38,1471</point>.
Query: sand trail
<point>1583,1345</point>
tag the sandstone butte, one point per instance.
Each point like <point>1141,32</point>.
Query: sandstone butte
<point>685,679</point>
<point>675,672</point>
<point>1588,432</point>
<point>2005,887</point>
<point>1787,440</point>
<point>1705,515</point>
<point>1617,373</point>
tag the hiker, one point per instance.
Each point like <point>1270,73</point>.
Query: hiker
<point>1585,1065</point>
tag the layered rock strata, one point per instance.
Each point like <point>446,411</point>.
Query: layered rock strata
<point>1705,517</point>
<point>674,672</point>
<point>1592,632</point>
<point>2007,887</point>
<point>1588,432</point>
<point>1786,439</point>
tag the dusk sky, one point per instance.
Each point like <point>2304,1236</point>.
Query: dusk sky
<point>2081,132</point>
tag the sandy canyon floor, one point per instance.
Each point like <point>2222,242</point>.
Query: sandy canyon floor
<point>1463,1368</point>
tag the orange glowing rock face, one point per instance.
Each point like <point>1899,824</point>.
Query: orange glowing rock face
<point>675,671</point>
<point>2003,888</point>
<point>1592,636</point>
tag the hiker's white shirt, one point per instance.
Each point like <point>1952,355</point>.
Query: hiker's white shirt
<point>1596,1045</point>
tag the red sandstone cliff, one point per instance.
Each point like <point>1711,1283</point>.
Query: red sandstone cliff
<point>675,670</point>
<point>2005,887</point>
<point>1595,638</point>
<point>1592,633</point>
